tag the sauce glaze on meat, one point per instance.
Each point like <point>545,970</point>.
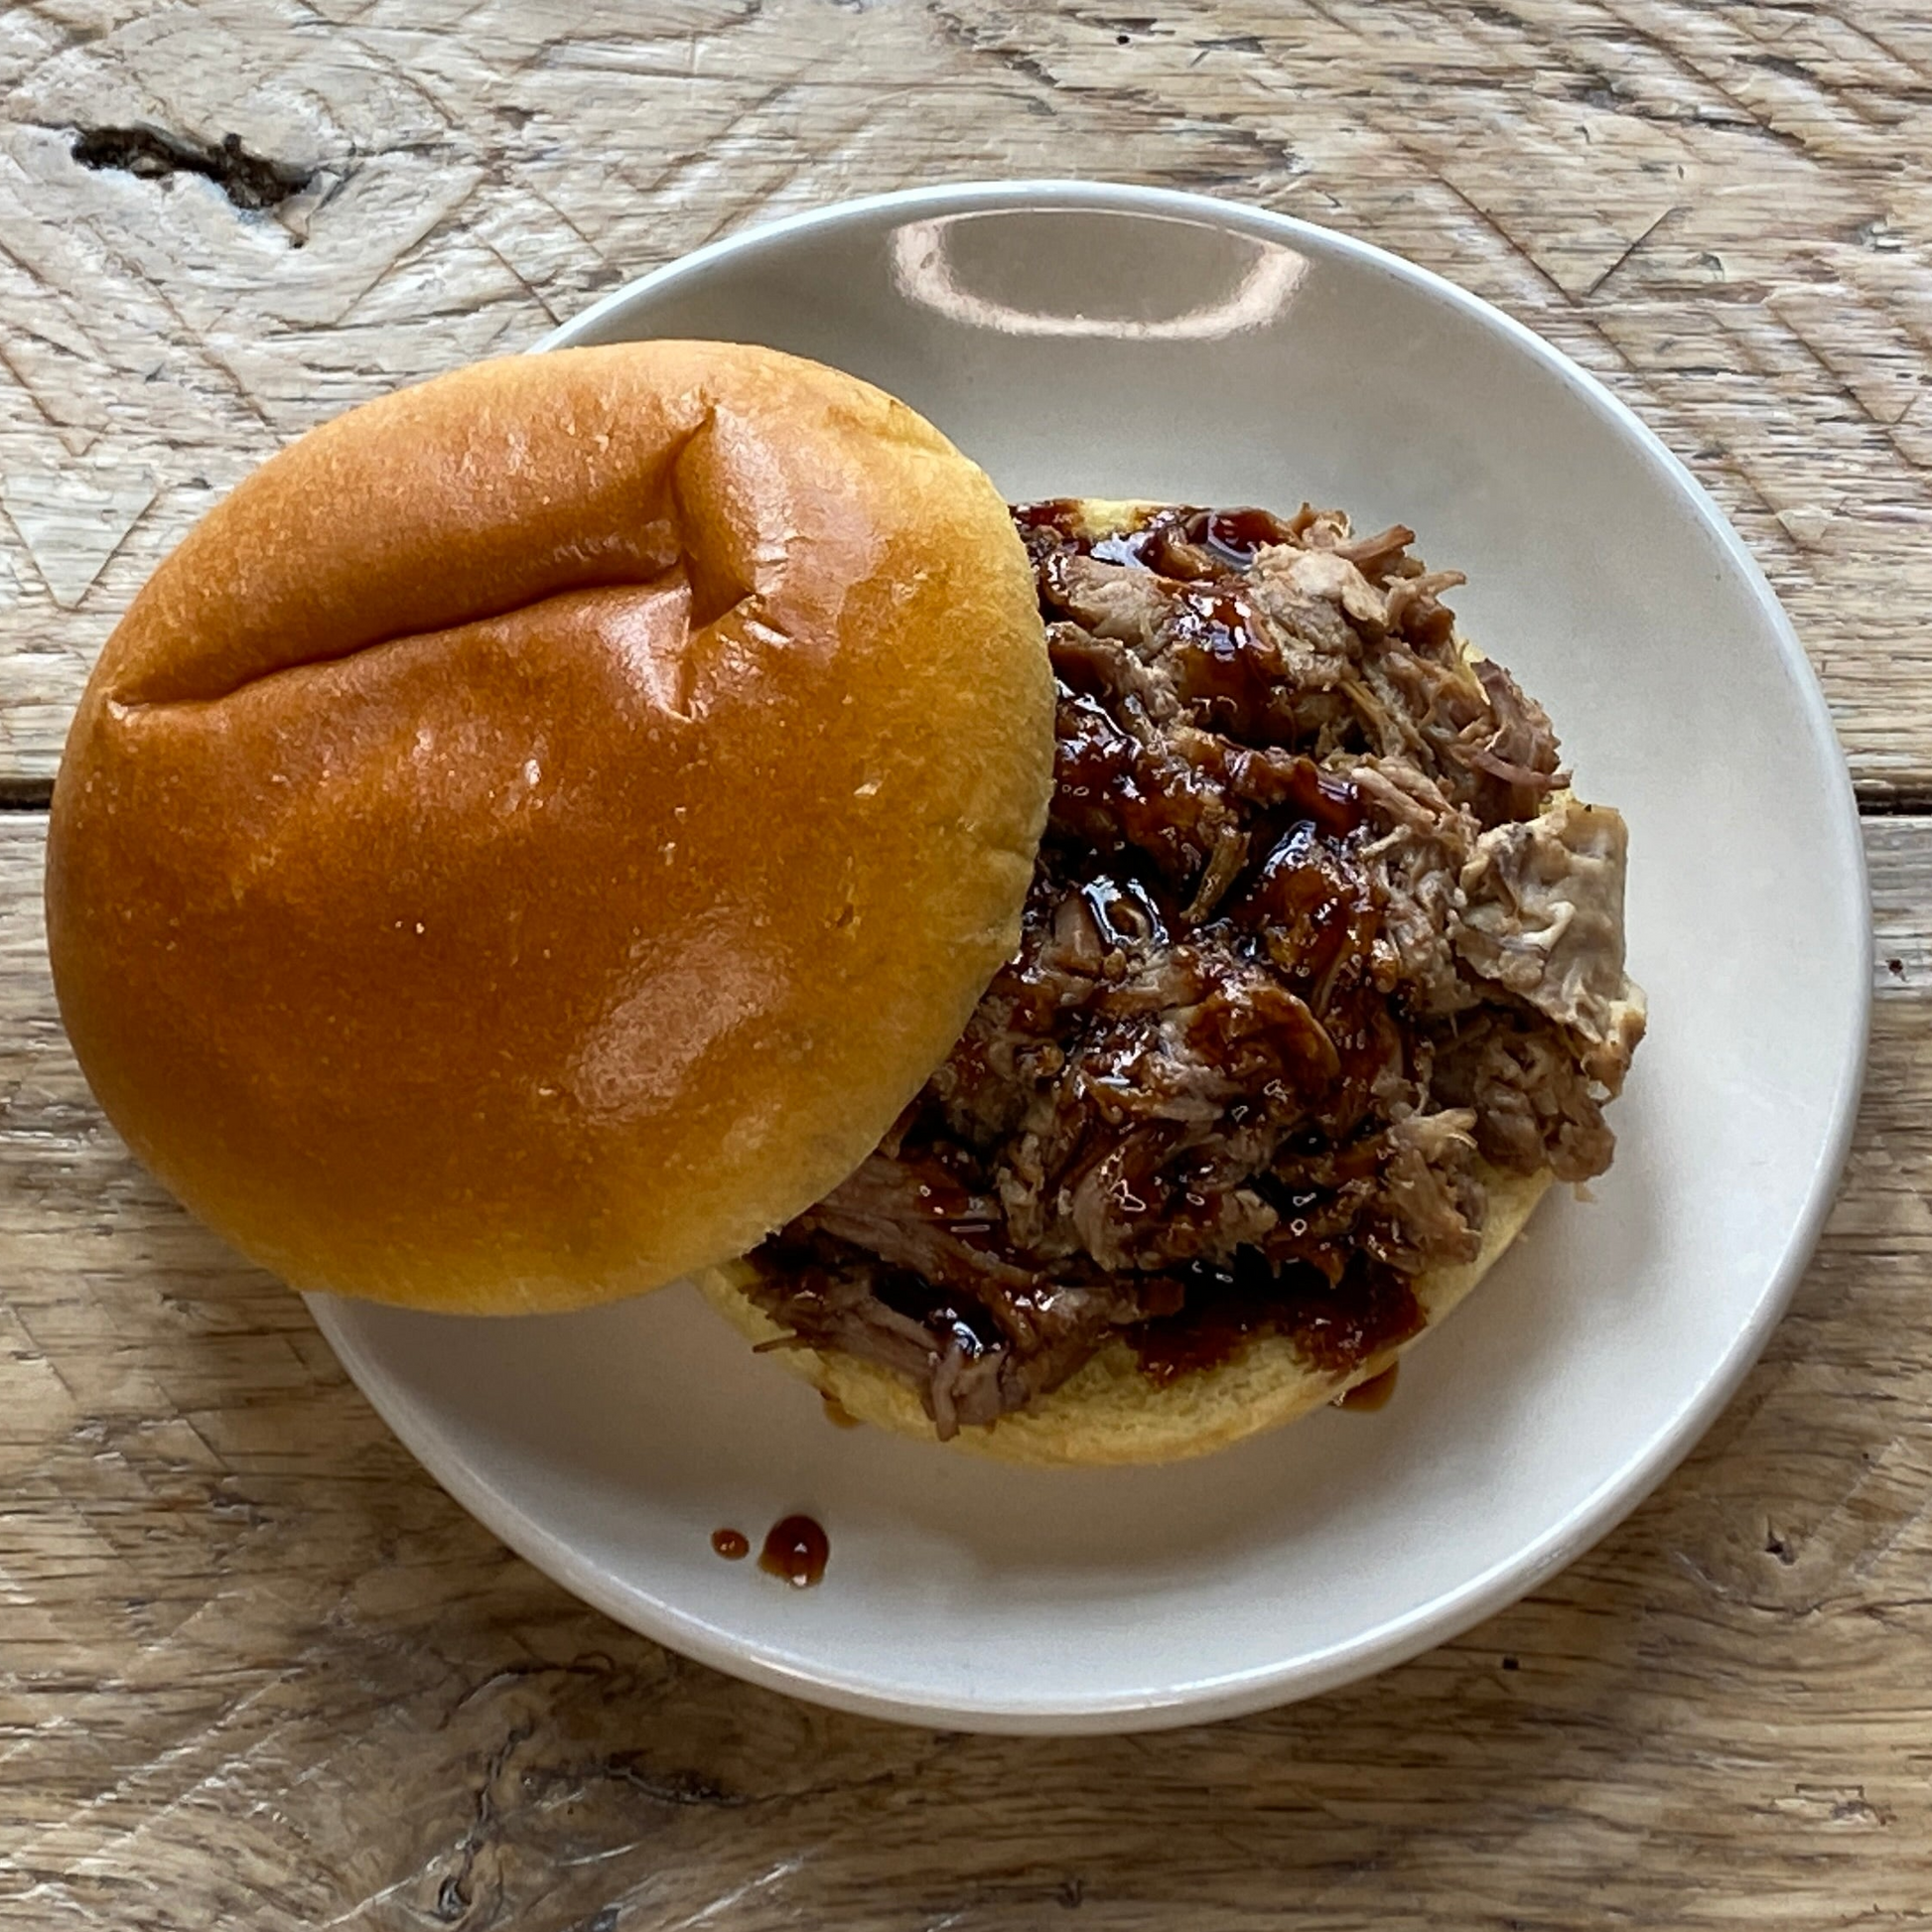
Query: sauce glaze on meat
<point>1313,927</point>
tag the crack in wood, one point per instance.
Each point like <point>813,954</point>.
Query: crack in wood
<point>250,181</point>
<point>1636,243</point>
<point>1747,118</point>
<point>26,794</point>
<point>1865,33</point>
<point>980,43</point>
<point>1846,392</point>
<point>1903,801</point>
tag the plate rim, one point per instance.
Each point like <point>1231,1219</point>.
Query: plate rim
<point>1442,1618</point>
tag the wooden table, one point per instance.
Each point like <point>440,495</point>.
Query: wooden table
<point>254,1667</point>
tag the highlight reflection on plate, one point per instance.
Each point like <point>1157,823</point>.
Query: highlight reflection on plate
<point>1128,342</point>
<point>1000,270</point>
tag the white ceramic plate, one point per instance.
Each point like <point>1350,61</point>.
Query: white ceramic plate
<point>1124,342</point>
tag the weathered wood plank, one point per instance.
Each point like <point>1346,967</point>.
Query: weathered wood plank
<point>1900,860</point>
<point>254,1666</point>
<point>1723,211</point>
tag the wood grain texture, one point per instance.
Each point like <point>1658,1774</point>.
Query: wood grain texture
<point>255,1665</point>
<point>1722,210</point>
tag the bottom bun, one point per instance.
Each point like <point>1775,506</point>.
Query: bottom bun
<point>1109,1412</point>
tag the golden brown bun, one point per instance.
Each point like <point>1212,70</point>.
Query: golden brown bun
<point>1109,1412</point>
<point>531,839</point>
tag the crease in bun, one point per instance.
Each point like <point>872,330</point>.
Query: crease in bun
<point>533,836</point>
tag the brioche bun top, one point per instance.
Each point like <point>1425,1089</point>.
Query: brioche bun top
<point>531,839</point>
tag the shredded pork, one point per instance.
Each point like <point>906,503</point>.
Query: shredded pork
<point>1314,924</point>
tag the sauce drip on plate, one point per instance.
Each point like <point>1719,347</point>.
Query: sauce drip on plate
<point>797,1549</point>
<point>1365,1396</point>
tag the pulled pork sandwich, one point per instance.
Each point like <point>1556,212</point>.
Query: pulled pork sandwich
<point>1320,984</point>
<point>540,834</point>
<point>535,835</point>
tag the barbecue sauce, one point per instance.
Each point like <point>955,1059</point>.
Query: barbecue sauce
<point>796,1549</point>
<point>1367,1397</point>
<point>1334,1326</point>
<point>1175,541</point>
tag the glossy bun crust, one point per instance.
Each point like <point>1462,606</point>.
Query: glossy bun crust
<point>1108,1412</point>
<point>531,839</point>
